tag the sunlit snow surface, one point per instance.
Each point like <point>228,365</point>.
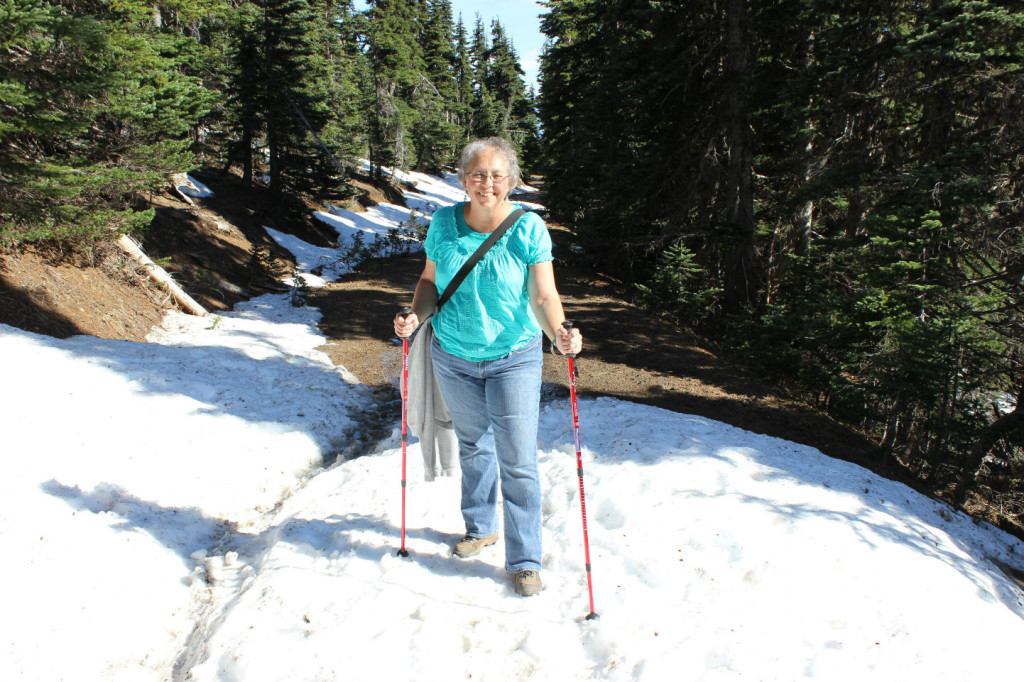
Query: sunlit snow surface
<point>164,515</point>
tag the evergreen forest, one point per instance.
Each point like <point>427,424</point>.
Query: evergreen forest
<point>829,192</point>
<point>101,100</point>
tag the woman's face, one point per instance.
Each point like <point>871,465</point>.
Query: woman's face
<point>486,181</point>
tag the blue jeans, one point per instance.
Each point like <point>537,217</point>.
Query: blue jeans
<point>495,406</point>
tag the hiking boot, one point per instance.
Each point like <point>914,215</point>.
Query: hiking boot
<point>470,546</point>
<point>527,583</point>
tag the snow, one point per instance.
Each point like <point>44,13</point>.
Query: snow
<point>177,510</point>
<point>319,265</point>
<point>194,188</point>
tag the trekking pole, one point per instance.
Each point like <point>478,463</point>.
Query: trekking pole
<point>404,312</point>
<point>579,471</point>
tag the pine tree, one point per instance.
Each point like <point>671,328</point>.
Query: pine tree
<point>892,296</point>
<point>852,158</point>
<point>246,96</point>
<point>463,84</point>
<point>531,141</point>
<point>635,153</point>
<point>484,121</point>
<point>295,99</point>
<point>337,41</point>
<point>396,65</point>
<point>504,84</point>
<point>96,108</point>
<point>436,97</point>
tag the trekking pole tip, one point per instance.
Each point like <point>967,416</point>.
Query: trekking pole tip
<point>404,553</point>
<point>592,616</point>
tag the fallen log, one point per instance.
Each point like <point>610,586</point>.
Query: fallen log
<point>179,180</point>
<point>160,276</point>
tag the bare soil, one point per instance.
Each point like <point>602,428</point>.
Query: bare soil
<point>208,245</point>
<point>628,354</point>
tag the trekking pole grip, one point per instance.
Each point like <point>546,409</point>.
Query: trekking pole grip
<point>405,311</point>
<point>568,326</point>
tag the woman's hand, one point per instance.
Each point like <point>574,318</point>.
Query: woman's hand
<point>568,341</point>
<point>405,326</point>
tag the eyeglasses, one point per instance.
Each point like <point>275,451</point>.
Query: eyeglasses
<point>482,177</point>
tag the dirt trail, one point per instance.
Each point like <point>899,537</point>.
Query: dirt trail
<point>210,245</point>
<point>628,354</point>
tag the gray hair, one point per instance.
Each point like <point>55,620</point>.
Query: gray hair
<point>497,145</point>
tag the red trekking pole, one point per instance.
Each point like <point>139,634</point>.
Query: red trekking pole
<point>405,312</point>
<point>579,471</point>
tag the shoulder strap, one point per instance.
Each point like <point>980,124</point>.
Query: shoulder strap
<point>478,254</point>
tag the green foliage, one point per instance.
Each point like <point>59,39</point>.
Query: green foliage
<point>300,290</point>
<point>296,86</point>
<point>397,241</point>
<point>884,146</point>
<point>101,102</point>
<point>396,60</point>
<point>436,130</point>
<point>344,83</point>
<point>96,109</point>
<point>677,285</point>
<point>634,154</point>
<point>262,267</point>
<point>463,76</point>
<point>293,97</point>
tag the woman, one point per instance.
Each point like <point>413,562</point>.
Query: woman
<point>487,352</point>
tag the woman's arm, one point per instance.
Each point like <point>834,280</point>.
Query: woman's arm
<point>425,298</point>
<point>547,307</point>
<point>423,302</point>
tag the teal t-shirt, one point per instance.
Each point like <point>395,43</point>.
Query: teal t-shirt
<point>489,315</point>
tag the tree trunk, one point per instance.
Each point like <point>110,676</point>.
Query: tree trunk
<point>805,223</point>
<point>740,279</point>
<point>159,275</point>
<point>245,149</point>
<point>276,166</point>
<point>976,457</point>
